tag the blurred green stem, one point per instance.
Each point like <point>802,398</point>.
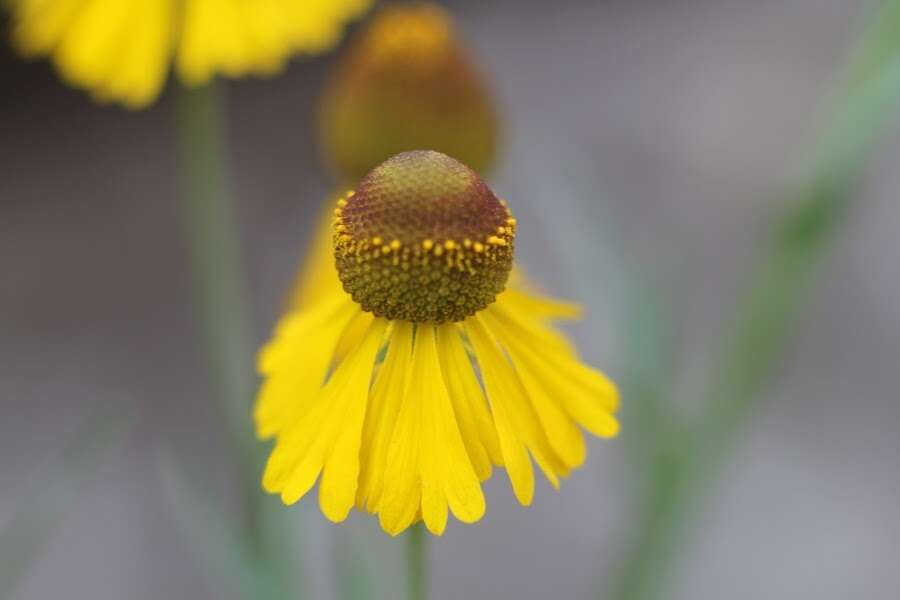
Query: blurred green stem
<point>686,467</point>
<point>416,557</point>
<point>212,236</point>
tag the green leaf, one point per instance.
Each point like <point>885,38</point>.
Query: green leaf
<point>776,291</point>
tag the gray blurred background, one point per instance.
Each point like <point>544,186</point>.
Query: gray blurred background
<point>649,136</point>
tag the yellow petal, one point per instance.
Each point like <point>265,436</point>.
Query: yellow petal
<point>428,468</point>
<point>548,337</point>
<point>401,498</point>
<point>540,307</point>
<point>317,278</point>
<point>39,25</point>
<point>116,50</point>
<point>454,472</point>
<point>91,46</point>
<point>296,360</point>
<point>448,477</point>
<point>562,433</point>
<point>501,392</point>
<point>121,50</point>
<point>304,446</point>
<point>584,393</point>
<point>212,39</point>
<point>525,418</point>
<point>469,403</point>
<point>384,404</point>
<point>144,61</point>
<point>341,473</point>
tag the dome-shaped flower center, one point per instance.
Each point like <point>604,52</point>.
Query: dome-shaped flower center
<point>423,239</point>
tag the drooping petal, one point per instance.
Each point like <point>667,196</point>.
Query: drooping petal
<point>116,50</point>
<point>39,25</point>
<point>340,476</point>
<point>540,312</point>
<point>384,406</point>
<point>428,468</point>
<point>212,40</point>
<point>562,433</point>
<point>517,425</point>
<point>92,44</point>
<point>296,361</point>
<point>584,393</point>
<point>240,37</point>
<point>401,497</point>
<point>469,403</point>
<point>144,62</point>
<point>453,472</point>
<point>121,50</point>
<point>326,436</point>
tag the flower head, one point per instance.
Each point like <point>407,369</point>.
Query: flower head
<point>121,51</point>
<point>423,239</point>
<point>472,376</point>
<point>404,83</point>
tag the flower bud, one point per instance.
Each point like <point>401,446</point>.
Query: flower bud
<point>405,83</point>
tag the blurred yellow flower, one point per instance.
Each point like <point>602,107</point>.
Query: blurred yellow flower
<point>405,82</point>
<point>424,249</point>
<point>121,50</point>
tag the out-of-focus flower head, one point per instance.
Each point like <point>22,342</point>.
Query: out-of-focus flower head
<point>405,82</point>
<point>424,250</point>
<point>121,51</point>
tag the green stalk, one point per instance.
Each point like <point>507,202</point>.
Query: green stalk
<point>211,230</point>
<point>685,471</point>
<point>210,227</point>
<point>417,575</point>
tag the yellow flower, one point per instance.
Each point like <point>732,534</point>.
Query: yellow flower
<point>121,50</point>
<point>433,372</point>
<point>405,82</point>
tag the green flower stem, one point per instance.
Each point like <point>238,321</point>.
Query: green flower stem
<point>416,557</point>
<point>685,470</point>
<point>647,371</point>
<point>212,236</point>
